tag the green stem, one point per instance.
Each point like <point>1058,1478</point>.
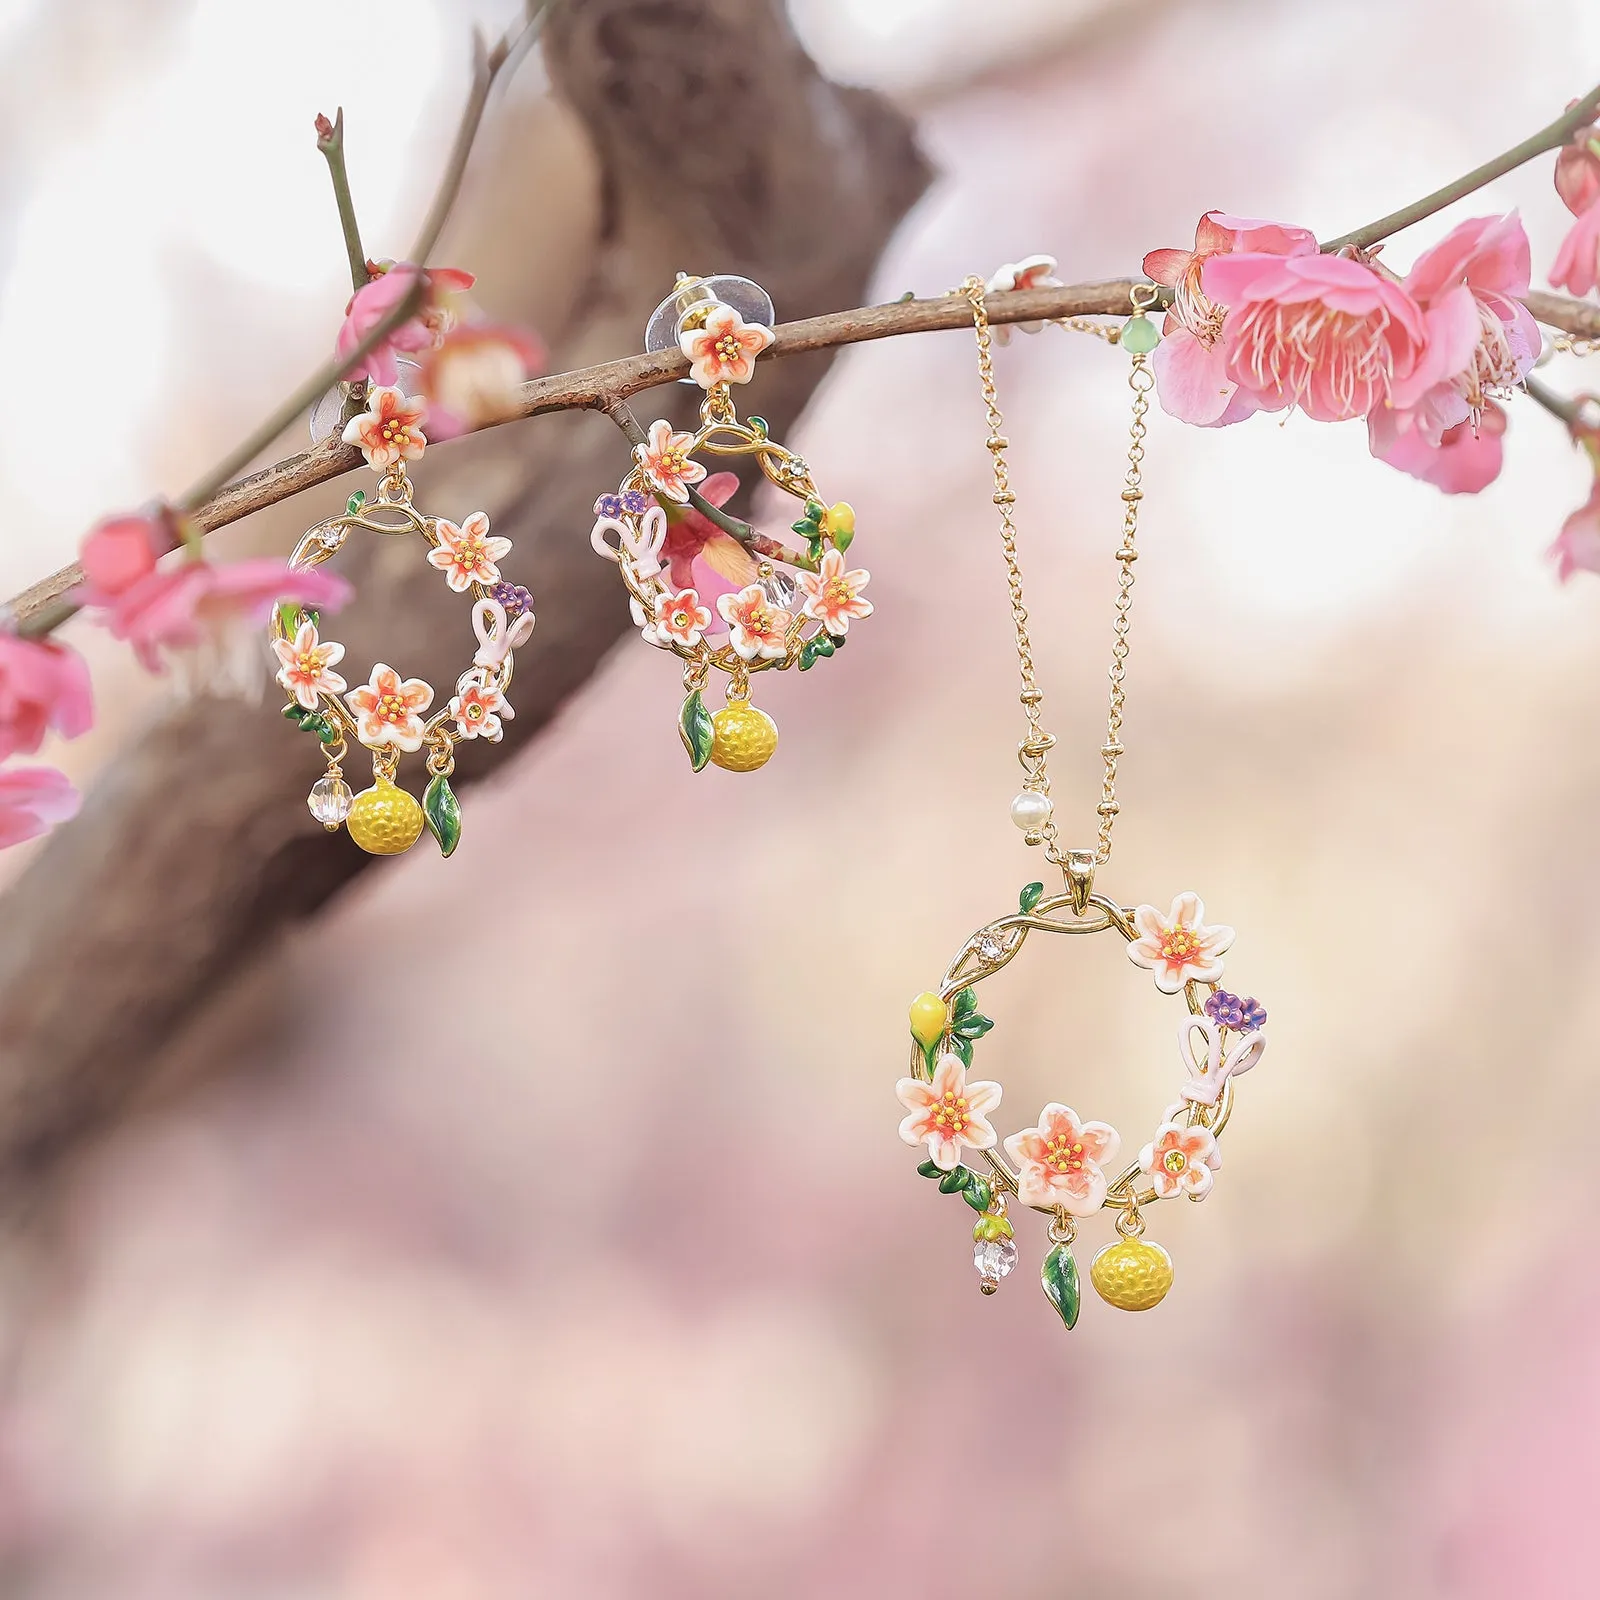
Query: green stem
<point>330,141</point>
<point>1548,138</point>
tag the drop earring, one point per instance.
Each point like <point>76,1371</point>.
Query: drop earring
<point>704,585</point>
<point>389,715</point>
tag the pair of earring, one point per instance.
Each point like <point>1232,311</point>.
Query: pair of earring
<point>702,584</point>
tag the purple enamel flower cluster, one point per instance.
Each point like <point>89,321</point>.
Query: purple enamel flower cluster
<point>1229,1011</point>
<point>633,502</point>
<point>513,597</point>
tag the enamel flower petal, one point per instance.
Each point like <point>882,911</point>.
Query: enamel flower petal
<point>1179,948</point>
<point>948,1114</point>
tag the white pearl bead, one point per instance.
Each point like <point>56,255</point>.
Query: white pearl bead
<point>1031,810</point>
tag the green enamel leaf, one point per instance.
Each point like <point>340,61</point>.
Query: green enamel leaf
<point>696,731</point>
<point>757,425</point>
<point>973,1026</point>
<point>1031,895</point>
<point>354,504</point>
<point>965,1003</point>
<point>930,1053</point>
<point>955,1180</point>
<point>962,1047</point>
<point>930,1169</point>
<point>443,812</point>
<point>1059,1276</point>
<point>296,713</point>
<point>289,617</point>
<point>978,1193</point>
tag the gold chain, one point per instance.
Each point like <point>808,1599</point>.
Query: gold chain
<point>1571,344</point>
<point>1033,751</point>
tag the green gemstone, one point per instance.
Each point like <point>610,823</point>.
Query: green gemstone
<point>1139,335</point>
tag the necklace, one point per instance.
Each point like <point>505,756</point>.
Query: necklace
<point>1065,1166</point>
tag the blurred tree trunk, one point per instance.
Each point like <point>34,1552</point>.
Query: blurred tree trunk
<point>719,147</point>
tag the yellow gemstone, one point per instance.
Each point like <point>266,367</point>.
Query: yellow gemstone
<point>743,737</point>
<point>384,820</point>
<point>1132,1274</point>
<point>929,1017</point>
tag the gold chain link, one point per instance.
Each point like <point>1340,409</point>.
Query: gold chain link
<point>1034,749</point>
<point>1568,344</point>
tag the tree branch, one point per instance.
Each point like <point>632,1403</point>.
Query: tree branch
<point>1551,137</point>
<point>330,141</point>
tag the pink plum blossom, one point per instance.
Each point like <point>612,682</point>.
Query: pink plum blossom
<point>1180,1160</point>
<point>699,555</point>
<point>1466,459</point>
<point>32,801</point>
<point>949,1113</point>
<point>389,431</point>
<point>44,687</point>
<point>1577,265</point>
<point>118,552</point>
<point>1321,332</point>
<point>200,617</point>
<point>1578,170</point>
<point>1577,546</point>
<point>1060,1162</point>
<point>1179,948</point>
<point>1190,363</point>
<point>474,376</point>
<point>723,349</point>
<point>369,305</point>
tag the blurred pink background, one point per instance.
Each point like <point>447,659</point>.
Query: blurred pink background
<point>556,1296</point>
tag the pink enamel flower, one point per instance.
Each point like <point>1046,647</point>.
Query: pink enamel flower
<point>833,596</point>
<point>389,431</point>
<point>1059,1163</point>
<point>1179,948</point>
<point>1190,363</point>
<point>44,687</point>
<point>680,619</point>
<point>1032,272</point>
<point>389,709</point>
<point>1324,333</point>
<point>467,554</point>
<point>724,348</point>
<point>306,665</point>
<point>1180,1160</point>
<point>666,461</point>
<point>757,629</point>
<point>477,710</point>
<point>32,801</point>
<point>948,1113</point>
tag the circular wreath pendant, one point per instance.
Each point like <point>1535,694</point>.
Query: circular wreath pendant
<point>1067,1166</point>
<point>716,592</point>
<point>391,715</point>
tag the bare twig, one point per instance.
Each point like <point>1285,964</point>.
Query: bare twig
<point>1580,318</point>
<point>330,141</point>
<point>1547,138</point>
<point>1558,405</point>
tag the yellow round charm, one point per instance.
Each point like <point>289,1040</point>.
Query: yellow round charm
<point>384,820</point>
<point>1132,1274</point>
<point>743,737</point>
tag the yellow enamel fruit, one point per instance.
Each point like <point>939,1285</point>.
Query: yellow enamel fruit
<point>930,1016</point>
<point>384,820</point>
<point>742,737</point>
<point>1132,1274</point>
<point>840,518</point>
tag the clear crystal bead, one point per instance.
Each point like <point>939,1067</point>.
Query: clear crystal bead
<point>994,1258</point>
<point>329,801</point>
<point>781,590</point>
